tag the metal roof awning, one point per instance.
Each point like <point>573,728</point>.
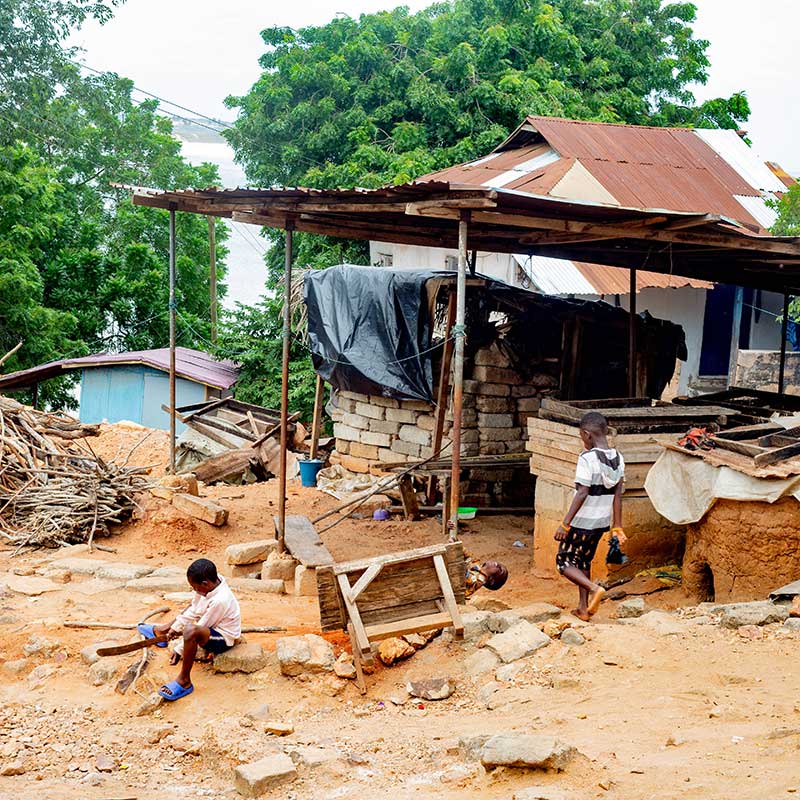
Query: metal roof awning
<point>692,245</point>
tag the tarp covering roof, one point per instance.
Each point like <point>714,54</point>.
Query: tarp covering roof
<point>194,365</point>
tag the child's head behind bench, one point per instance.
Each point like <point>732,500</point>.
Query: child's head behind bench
<point>202,576</point>
<point>594,428</point>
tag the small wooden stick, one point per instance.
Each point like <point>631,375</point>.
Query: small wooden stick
<point>120,626</point>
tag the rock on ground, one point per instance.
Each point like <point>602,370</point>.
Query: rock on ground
<point>13,768</point>
<point>250,552</point>
<point>344,668</point>
<point>526,750</point>
<point>541,793</point>
<point>302,654</point>
<point>158,583</point>
<point>538,612</point>
<point>89,653</point>
<point>122,572</point>
<point>390,651</point>
<point>480,662</point>
<point>30,586</point>
<point>474,625</point>
<point>244,657</point>
<point>431,688</point>
<point>278,728</point>
<point>102,672</point>
<point>571,637</point>
<point>521,640</point>
<point>632,607</point>
<point>16,666</point>
<point>471,747</point>
<point>792,624</point>
<point>254,779</point>
<point>257,585</point>
<point>761,612</point>
<point>502,621</point>
<point>153,701</point>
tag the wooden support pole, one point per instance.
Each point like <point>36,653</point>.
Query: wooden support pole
<point>459,332</point>
<point>443,393</point>
<point>632,360</point>
<point>172,332</point>
<point>212,274</point>
<point>736,327</point>
<point>287,312</point>
<point>784,327</point>
<point>316,425</point>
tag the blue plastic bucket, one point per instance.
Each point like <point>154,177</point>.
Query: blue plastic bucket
<point>308,471</point>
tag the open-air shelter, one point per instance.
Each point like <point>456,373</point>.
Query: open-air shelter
<point>439,214</point>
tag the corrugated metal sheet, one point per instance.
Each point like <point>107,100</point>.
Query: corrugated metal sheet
<point>557,276</point>
<point>743,158</point>
<point>523,169</point>
<point>191,364</point>
<point>758,209</point>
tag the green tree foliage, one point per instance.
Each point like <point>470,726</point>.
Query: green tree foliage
<point>97,267</point>
<point>788,224</point>
<point>252,337</point>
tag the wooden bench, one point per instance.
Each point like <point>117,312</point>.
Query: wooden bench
<point>392,595</point>
<point>303,542</point>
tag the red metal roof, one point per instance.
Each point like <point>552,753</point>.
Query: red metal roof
<point>613,280</point>
<point>193,365</point>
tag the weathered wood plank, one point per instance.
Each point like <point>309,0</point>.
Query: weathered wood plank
<point>427,622</point>
<point>303,542</point>
<point>409,498</point>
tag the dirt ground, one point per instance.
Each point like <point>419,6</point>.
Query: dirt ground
<point>668,705</point>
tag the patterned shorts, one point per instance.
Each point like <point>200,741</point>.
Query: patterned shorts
<point>579,548</point>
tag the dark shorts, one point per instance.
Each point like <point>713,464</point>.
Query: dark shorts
<point>216,643</point>
<point>579,548</point>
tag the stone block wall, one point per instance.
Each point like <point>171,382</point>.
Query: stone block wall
<point>371,431</point>
<point>758,369</point>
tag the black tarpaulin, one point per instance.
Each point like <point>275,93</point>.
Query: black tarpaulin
<point>370,331</point>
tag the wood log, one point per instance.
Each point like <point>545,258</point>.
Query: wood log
<point>229,464</point>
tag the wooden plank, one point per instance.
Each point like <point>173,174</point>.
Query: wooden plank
<point>303,542</point>
<point>447,593</point>
<point>378,616</point>
<point>565,411</point>
<point>749,431</point>
<point>414,625</point>
<point>744,448</point>
<point>222,465</point>
<point>360,682</point>
<point>332,613</point>
<point>409,498</point>
<point>778,454</point>
<point>365,580</point>
<point>361,638</point>
<point>389,558</point>
<point>203,409</point>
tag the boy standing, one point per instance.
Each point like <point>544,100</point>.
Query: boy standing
<point>596,507</point>
<point>212,621</point>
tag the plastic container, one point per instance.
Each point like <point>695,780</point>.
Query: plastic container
<point>381,514</point>
<point>467,513</point>
<point>308,471</point>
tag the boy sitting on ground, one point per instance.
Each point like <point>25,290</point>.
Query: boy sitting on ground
<point>599,479</point>
<point>212,621</point>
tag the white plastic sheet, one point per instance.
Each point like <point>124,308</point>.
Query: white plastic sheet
<point>683,488</point>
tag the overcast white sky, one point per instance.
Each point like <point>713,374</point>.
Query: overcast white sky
<point>196,52</point>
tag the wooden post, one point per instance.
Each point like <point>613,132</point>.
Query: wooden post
<point>317,422</point>
<point>736,327</point>
<point>459,332</point>
<point>172,310</point>
<point>35,395</point>
<point>443,392</point>
<point>212,274</point>
<point>784,326</point>
<point>632,360</point>
<point>287,311</point>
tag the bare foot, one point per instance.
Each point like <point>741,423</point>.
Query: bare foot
<point>595,600</point>
<point>174,659</point>
<point>580,614</point>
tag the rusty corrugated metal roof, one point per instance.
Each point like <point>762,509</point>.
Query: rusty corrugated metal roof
<point>613,280</point>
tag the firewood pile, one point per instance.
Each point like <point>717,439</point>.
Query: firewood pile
<point>53,489</point>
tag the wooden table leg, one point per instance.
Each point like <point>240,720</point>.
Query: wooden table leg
<point>360,682</point>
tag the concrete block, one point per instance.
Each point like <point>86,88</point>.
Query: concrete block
<point>494,389</point>
<point>526,390</point>
<point>305,581</point>
<point>471,387</point>
<point>376,439</point>
<point>492,448</point>
<point>405,448</point>
<point>426,422</point>
<point>493,405</point>
<point>402,415</point>
<point>201,508</point>
<point>278,567</point>
<point>388,456</point>
<point>491,356</point>
<point>500,434</point>
<point>528,404</point>
<point>354,464</point>
<point>355,397</point>
<point>342,446</point>
<point>496,375</point>
<point>384,426</point>
<point>355,421</point>
<point>370,411</point>
<point>243,570</point>
<point>250,552</point>
<point>411,433</point>
<point>517,446</point>
<point>359,450</point>
<point>386,402</point>
<point>342,431</point>
<point>256,585</point>
<point>495,421</point>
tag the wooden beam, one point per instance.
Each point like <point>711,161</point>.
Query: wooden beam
<point>736,327</point>
<point>316,425</point>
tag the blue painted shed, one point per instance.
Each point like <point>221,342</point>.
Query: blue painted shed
<point>133,386</point>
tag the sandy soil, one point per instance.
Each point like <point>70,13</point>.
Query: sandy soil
<point>668,706</point>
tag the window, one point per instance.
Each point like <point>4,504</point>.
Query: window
<point>384,260</point>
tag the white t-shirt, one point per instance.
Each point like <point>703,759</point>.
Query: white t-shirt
<point>219,609</point>
<point>600,470</point>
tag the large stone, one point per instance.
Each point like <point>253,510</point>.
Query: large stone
<point>201,508</point>
<point>474,625</point>
<point>122,572</point>
<point>571,637</point>
<point>630,608</point>
<point>431,688</point>
<point>244,657</point>
<point>538,612</point>
<point>519,641</point>
<point>530,751</point>
<point>502,621</point>
<point>31,585</point>
<point>253,779</point>
<point>344,667</point>
<point>250,552</point>
<point>471,747</point>
<point>305,581</point>
<point>155,583</point>
<point>394,649</point>
<point>101,673</point>
<point>278,567</point>
<point>257,585</point>
<point>405,448</point>
<point>300,654</point>
<point>660,622</point>
<point>78,566</point>
<point>761,612</point>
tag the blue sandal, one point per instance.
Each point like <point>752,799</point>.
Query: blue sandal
<point>176,691</point>
<point>147,631</point>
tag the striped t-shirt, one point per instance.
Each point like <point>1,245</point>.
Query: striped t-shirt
<point>600,470</point>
